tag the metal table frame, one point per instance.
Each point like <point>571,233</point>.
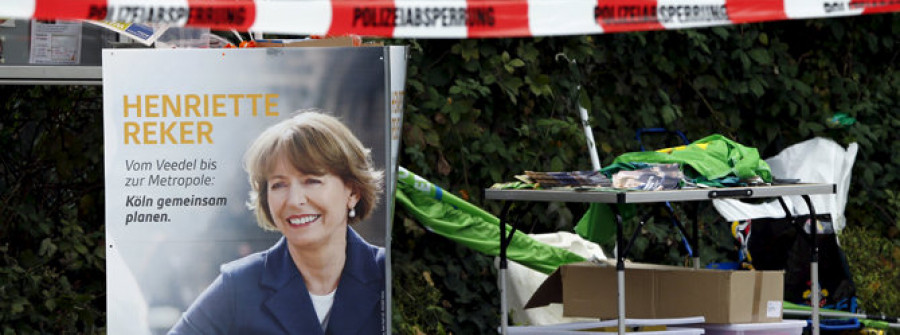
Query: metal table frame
<point>635,197</point>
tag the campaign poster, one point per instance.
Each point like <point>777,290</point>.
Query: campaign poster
<point>182,216</point>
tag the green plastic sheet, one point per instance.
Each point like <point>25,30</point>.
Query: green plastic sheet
<point>464,223</point>
<point>877,324</point>
<point>713,157</point>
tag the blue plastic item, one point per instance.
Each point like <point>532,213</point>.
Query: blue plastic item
<point>642,131</point>
<point>675,222</point>
<point>724,266</point>
<point>836,324</point>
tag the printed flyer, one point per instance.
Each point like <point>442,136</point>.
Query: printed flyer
<point>56,43</point>
<point>249,191</point>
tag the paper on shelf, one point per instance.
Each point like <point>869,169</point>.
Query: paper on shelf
<point>142,33</point>
<point>55,43</point>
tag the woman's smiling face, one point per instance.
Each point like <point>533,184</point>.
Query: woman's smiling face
<point>309,210</point>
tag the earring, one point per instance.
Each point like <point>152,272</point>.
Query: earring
<point>352,213</point>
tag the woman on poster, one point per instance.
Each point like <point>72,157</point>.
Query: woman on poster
<point>310,178</point>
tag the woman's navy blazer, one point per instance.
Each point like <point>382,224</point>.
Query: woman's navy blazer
<point>264,293</point>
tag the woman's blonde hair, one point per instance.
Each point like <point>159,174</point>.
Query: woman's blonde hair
<point>314,143</point>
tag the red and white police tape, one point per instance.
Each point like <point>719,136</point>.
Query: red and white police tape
<point>442,18</point>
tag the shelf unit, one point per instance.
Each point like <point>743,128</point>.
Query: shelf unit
<point>16,68</point>
<point>50,75</point>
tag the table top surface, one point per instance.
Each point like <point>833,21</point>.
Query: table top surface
<point>627,196</point>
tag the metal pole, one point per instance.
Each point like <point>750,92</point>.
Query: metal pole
<point>620,265</point>
<point>696,236</point>
<point>814,274</point>
<point>813,266</point>
<point>620,270</point>
<point>504,243</point>
<point>503,303</point>
<point>589,137</point>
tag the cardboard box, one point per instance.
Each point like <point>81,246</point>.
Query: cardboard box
<point>659,291</point>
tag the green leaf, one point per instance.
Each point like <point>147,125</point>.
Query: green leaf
<point>512,85</point>
<point>489,79</point>
<point>802,87</point>
<point>761,56</point>
<point>815,127</point>
<point>745,60</point>
<point>664,96</point>
<point>489,148</point>
<point>838,30</point>
<point>664,65</point>
<point>469,50</point>
<point>706,81</point>
<point>757,88</point>
<point>47,248</point>
<point>531,53</point>
<point>18,306</point>
<point>764,39</point>
<point>668,114</point>
<point>495,176</point>
<point>415,85</point>
<point>584,100</point>
<point>556,164</point>
<point>432,139</point>
<point>81,249</point>
<point>639,80</point>
<point>721,32</point>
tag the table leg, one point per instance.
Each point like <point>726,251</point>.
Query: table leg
<point>620,269</point>
<point>504,305</point>
<point>813,266</point>
<point>504,243</point>
<point>695,236</point>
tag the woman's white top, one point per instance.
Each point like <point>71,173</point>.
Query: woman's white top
<point>322,304</point>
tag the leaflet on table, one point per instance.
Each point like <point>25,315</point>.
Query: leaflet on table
<point>653,178</point>
<point>142,33</point>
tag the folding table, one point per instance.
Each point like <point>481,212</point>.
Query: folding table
<point>636,197</point>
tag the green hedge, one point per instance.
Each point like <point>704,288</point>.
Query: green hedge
<point>51,207</point>
<point>481,111</point>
